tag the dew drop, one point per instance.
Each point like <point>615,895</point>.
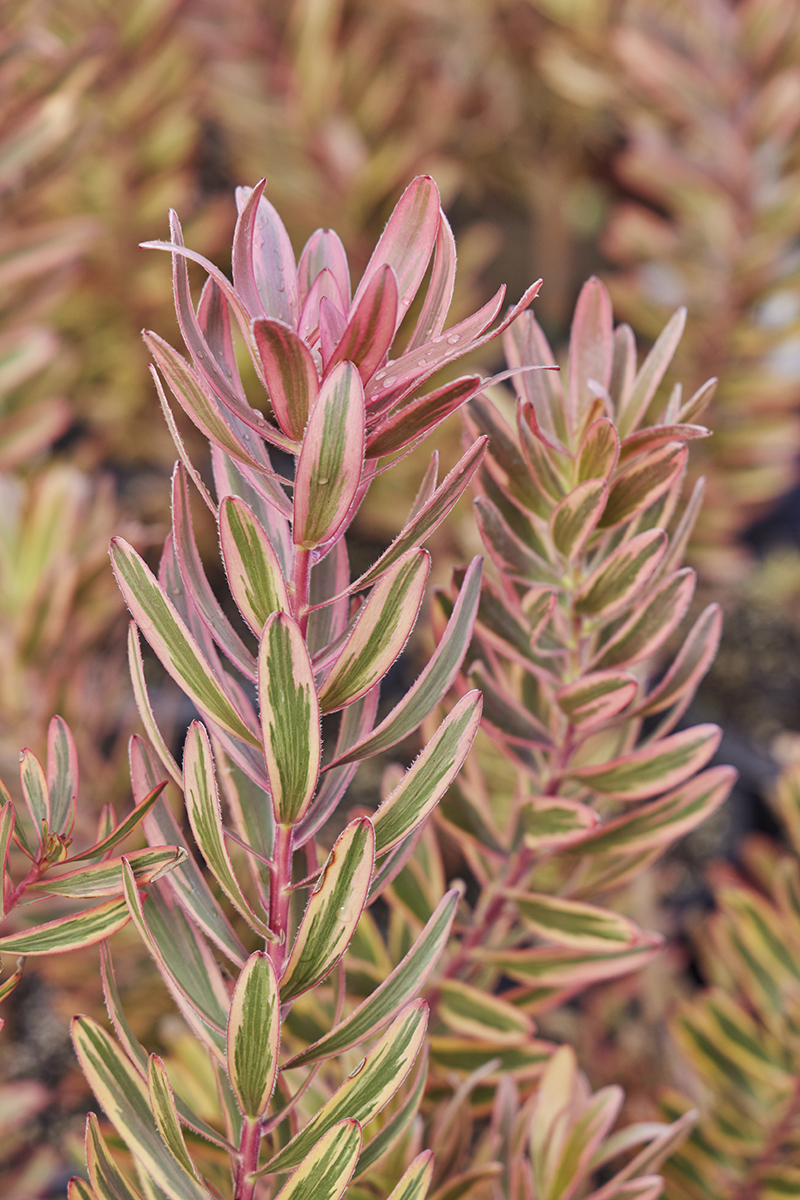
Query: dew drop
<point>451,341</point>
<point>438,339</point>
<point>356,1070</point>
<point>323,482</point>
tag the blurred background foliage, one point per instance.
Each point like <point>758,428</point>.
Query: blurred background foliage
<point>654,142</point>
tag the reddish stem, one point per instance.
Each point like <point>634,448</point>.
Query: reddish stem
<point>301,574</point>
<point>248,1159</point>
<point>280,893</point>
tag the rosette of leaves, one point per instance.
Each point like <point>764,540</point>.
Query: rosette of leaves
<point>306,645</point>
<point>739,1036</point>
<point>577,512</point>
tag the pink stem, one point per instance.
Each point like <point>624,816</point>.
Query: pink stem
<point>248,1159</point>
<point>301,573</point>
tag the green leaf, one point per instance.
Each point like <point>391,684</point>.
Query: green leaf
<point>331,459</point>
<point>429,516</point>
<point>596,697</point>
<point>136,667</point>
<point>8,985</point>
<point>162,1103</point>
<point>69,933</point>
<point>552,822</point>
<point>426,781</point>
<point>571,923</point>
<point>125,827</point>
<point>652,768</point>
<point>622,576</point>
<point>104,1173</point>
<point>634,405</point>
<point>598,452</point>
<point>690,665</point>
<point>251,564</point>
<point>367,1089</point>
<point>172,642</point>
<point>289,374</point>
<point>333,910</point>
<point>289,718</point>
<point>205,817</point>
<point>254,1031</point>
<point>574,518</point>
<point>473,1012</point>
<point>640,485</point>
<point>434,681</point>
<point>328,1167</point>
<point>397,989</point>
<point>105,878</point>
<point>7,819</point>
<point>397,1124</point>
<point>35,790</point>
<point>78,1189</point>
<point>552,966</point>
<point>649,626</point>
<point>123,1094</point>
<point>62,775</point>
<point>380,633</point>
<point>416,1180</point>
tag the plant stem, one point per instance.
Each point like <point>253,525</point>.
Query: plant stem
<point>301,574</point>
<point>280,894</point>
<point>248,1159</point>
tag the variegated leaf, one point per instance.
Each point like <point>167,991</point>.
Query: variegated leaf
<point>407,241</point>
<point>205,817</point>
<point>574,518</point>
<point>105,879</point>
<point>367,1089</point>
<point>622,576</point>
<point>400,1120</point>
<point>420,416</point>
<point>107,1179</point>
<point>426,781</point>
<point>380,633</point>
<point>171,640</point>
<point>474,1012</point>
<point>328,1167</point>
<point>289,718</point>
<point>35,790</point>
<point>653,768</point>
<point>397,989</point>
<point>121,830</point>
<point>69,933</point>
<point>289,374</point>
<point>634,404</point>
<point>162,1103</point>
<point>554,967</point>
<point>62,775</point>
<point>416,1180</point>
<point>331,459</point>
<point>333,910</point>
<point>370,329</point>
<point>254,1028</point>
<point>251,564</point>
<point>591,346</point>
<point>596,697</point>
<point>571,923</point>
<point>641,484</point>
<point>650,624</point>
<point>123,1094</point>
<point>552,821</point>
<point>598,451</point>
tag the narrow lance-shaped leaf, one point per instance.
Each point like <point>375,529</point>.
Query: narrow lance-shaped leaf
<point>105,879</point>
<point>691,664</point>
<point>426,781</point>
<point>574,519</point>
<point>371,326</point>
<point>194,576</point>
<point>328,1167</point>
<point>652,768</point>
<point>571,923</point>
<point>289,718</point>
<point>404,982</point>
<point>254,1028</point>
<point>333,910</point>
<point>107,1180</point>
<point>124,1096</point>
<point>598,452</point>
<point>552,821</point>
<point>380,633</point>
<point>440,289</point>
<point>62,775</point>
<point>428,517</point>
<point>554,967</point>
<point>78,1189</point>
<point>121,831</point>
<point>416,1180</point>
<point>596,697</point>
<point>435,679</point>
<point>473,1012</point>
<point>7,820</point>
<point>174,645</point>
<point>251,564</point>
<point>649,626</point>
<point>621,577</point>
<point>35,790</point>
<point>162,1103</point>
<point>407,241</point>
<point>142,697</point>
<point>417,417</point>
<point>331,459</point>
<point>289,373</point>
<point>364,1093</point>
<point>641,484</point>
<point>69,933</point>
<point>400,1120</point>
<point>205,818</point>
<point>591,346</point>
<point>274,268</point>
<point>634,406</point>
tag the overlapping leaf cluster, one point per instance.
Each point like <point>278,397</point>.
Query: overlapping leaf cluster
<point>740,1035</point>
<point>574,508</point>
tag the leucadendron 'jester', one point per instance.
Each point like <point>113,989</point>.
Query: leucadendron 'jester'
<point>300,1109</point>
